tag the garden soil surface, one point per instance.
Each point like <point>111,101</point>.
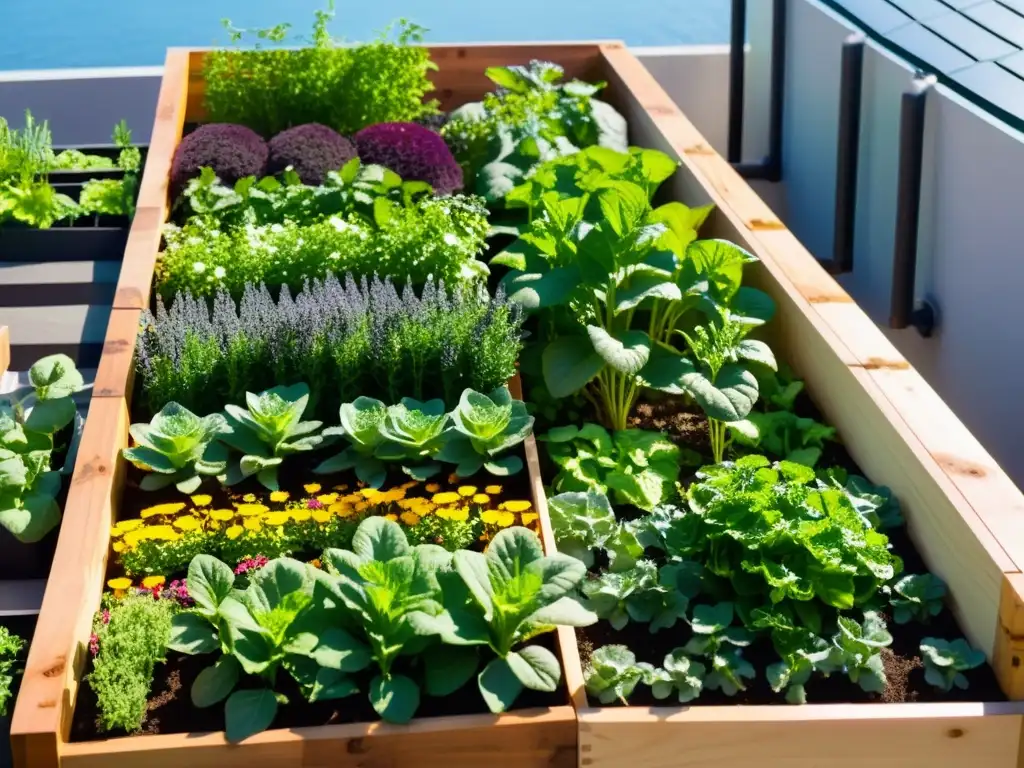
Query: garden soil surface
<point>170,710</point>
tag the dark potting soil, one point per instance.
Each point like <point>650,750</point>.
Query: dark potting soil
<point>170,709</point>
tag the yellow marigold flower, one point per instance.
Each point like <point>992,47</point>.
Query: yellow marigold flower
<point>500,519</point>
<point>322,515</point>
<point>432,487</point>
<point>392,518</point>
<point>153,581</point>
<point>327,499</point>
<point>481,498</point>
<point>311,488</point>
<point>115,532</point>
<point>315,562</point>
<point>369,493</point>
<point>118,546</point>
<point>494,490</point>
<point>276,518</point>
<point>467,490</point>
<point>128,525</point>
<point>301,515</point>
<point>519,505</point>
<point>223,514</point>
<point>163,509</point>
<point>445,498</point>
<point>234,531</point>
<point>408,485</point>
<point>410,518</point>
<point>119,585</point>
<point>249,497</point>
<point>342,510</point>
<point>361,506</point>
<point>251,509</point>
<point>389,497</point>
<point>279,496</point>
<point>202,500</point>
<point>253,524</point>
<point>460,514</point>
<point>453,478</point>
<point>187,523</point>
<point>163,532</point>
<point>528,517</point>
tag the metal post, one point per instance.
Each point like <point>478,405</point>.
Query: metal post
<point>847,153</point>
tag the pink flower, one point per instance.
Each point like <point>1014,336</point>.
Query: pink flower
<point>94,644</point>
<point>314,504</point>
<point>106,616</point>
<point>251,564</point>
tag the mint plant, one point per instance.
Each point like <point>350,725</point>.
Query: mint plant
<point>486,427</point>
<point>946,661</point>
<point>267,432</point>
<point>178,448</point>
<point>917,597</point>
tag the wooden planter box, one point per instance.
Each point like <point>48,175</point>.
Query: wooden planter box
<point>965,515</point>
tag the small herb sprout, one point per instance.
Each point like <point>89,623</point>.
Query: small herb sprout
<point>917,597</point>
<point>486,426</point>
<point>722,646</point>
<point>267,432</point>
<point>361,421</point>
<point>613,673</point>
<point>177,447</point>
<point>680,675</point>
<point>945,662</point>
<point>857,647</point>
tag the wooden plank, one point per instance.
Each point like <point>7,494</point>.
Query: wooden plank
<point>889,418</point>
<point>140,255</point>
<point>167,126</point>
<point>1009,652</point>
<point>5,348</point>
<point>116,374</point>
<point>810,736</point>
<point>42,714</point>
<point>531,739</point>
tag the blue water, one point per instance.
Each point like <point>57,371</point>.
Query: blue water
<point>45,34</point>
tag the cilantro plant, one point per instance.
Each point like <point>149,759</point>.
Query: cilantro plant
<point>178,448</point>
<point>636,466</point>
<point>946,661</point>
<point>344,87</point>
<point>31,418</point>
<point>532,118</point>
<point>267,432</point>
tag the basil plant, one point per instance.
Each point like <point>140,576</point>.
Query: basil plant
<point>270,430</point>
<point>178,448</point>
<point>30,419</point>
<point>486,427</point>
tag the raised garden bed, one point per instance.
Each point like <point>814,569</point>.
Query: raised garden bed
<point>960,511</point>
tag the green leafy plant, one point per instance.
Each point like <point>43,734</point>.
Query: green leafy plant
<point>857,647</point>
<point>270,430</point>
<point>917,597</point>
<point>26,197</point>
<point>177,447</point>
<point>784,434</point>
<point>11,647</point>
<point>637,466</point>
<point>946,661</point>
<point>130,638</point>
<point>484,428</point>
<point>875,503</point>
<point>392,590</point>
<point>612,673</point>
<point>503,599</point>
<point>30,419</point>
<point>361,422</point>
<point>413,434</point>
<point>273,624</point>
<point>584,521</point>
<point>801,652</point>
<point>533,118</point>
<point>344,87</point>
<point>679,674</point>
<point>644,593</point>
<point>722,646</point>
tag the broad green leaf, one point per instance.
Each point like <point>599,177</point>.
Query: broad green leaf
<point>623,207</point>
<point>535,290</point>
<point>535,667</point>
<point>643,285</point>
<point>569,363</point>
<point>248,712</point>
<point>380,539</point>
<point>332,684</point>
<point>396,699</point>
<point>51,416</point>
<point>499,686</point>
<point>55,376</point>
<point>627,351</point>
<point>756,352</point>
<point>472,567</point>
<point>192,634</point>
<point>447,668</point>
<point>216,682</point>
<point>339,650</point>
<point>209,582</point>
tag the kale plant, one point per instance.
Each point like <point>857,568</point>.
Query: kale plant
<point>342,339</point>
<point>801,653</point>
<point>946,661</point>
<point>679,674</point>
<point>344,87</point>
<point>584,522</point>
<point>268,431</point>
